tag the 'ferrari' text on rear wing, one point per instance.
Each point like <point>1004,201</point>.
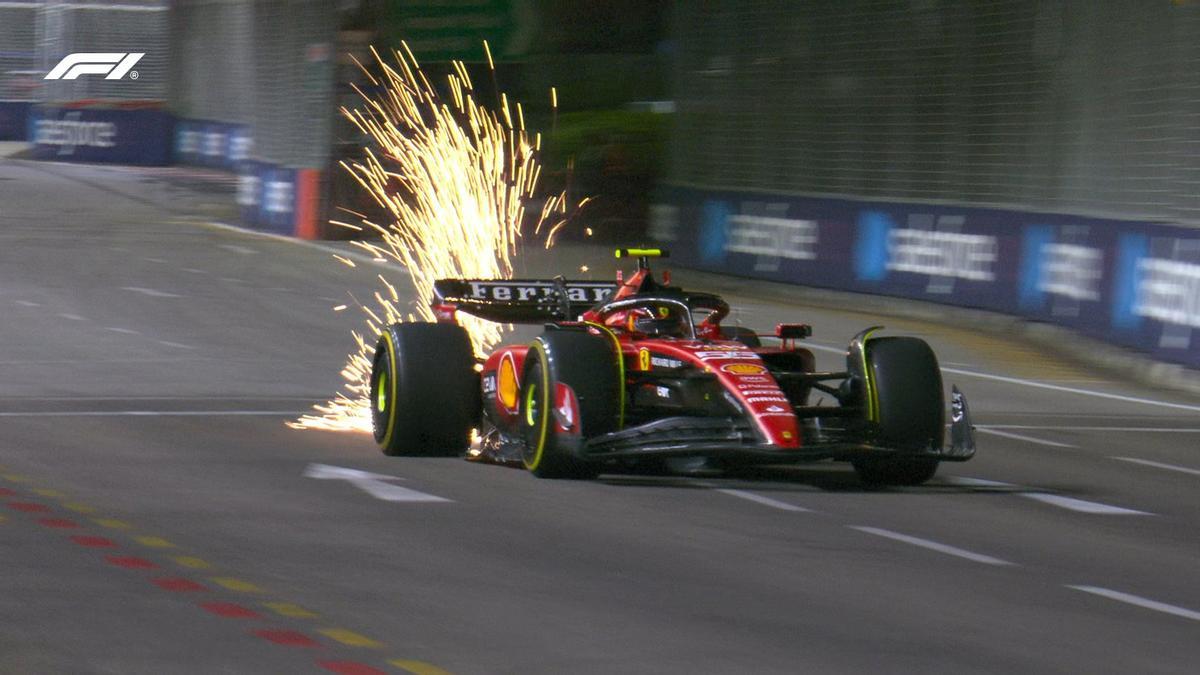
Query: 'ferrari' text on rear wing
<point>521,300</point>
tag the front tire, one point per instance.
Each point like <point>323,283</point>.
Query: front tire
<point>424,390</point>
<point>587,365</point>
<point>908,406</point>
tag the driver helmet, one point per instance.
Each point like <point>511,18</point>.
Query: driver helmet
<point>657,321</point>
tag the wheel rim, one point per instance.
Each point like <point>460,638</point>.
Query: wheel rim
<point>381,400</point>
<point>532,411</point>
<point>381,395</point>
<point>531,404</point>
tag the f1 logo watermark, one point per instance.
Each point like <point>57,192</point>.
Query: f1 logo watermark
<point>113,65</point>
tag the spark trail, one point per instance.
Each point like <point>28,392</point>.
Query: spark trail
<point>453,179</point>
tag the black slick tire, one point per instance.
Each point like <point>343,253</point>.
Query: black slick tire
<point>424,390</point>
<point>588,365</point>
<point>908,405</point>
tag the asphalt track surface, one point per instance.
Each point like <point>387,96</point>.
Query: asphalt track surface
<point>156,516</point>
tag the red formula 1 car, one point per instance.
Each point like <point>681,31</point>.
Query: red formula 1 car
<point>641,373</point>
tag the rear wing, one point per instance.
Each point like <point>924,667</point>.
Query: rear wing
<point>521,300</point>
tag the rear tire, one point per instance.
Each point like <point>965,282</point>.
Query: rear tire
<point>585,363</point>
<point>424,390</point>
<point>909,408</point>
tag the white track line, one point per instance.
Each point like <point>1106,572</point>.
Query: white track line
<point>1043,385</point>
<point>27,303</point>
<point>240,250</point>
<point>159,413</point>
<point>1160,465</point>
<point>1157,430</point>
<point>1019,437</point>
<point>125,331</point>
<point>932,545</point>
<point>150,292</point>
<point>1082,506</point>
<point>1069,503</point>
<point>352,253</point>
<point>77,399</point>
<point>1139,601</point>
<point>765,501</point>
<point>976,482</point>
<point>1074,390</point>
<point>72,317</point>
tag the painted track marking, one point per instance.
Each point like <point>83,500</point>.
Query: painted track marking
<point>157,413</point>
<point>1160,465</point>
<point>179,585</point>
<point>113,523</point>
<point>154,542</point>
<point>932,545</point>
<point>1043,385</point>
<point>240,250</point>
<point>1140,601</point>
<point>237,585</point>
<point>418,667</point>
<point>765,501</point>
<point>1069,503</point>
<point>1073,390</point>
<point>230,610</point>
<point>1020,437</point>
<point>349,638</point>
<point>353,254</point>
<point>349,668</point>
<point>374,484</point>
<point>289,638</point>
<point>150,292</point>
<point>131,562</point>
<point>289,610</point>
<point>1032,427</point>
<point>1082,506</point>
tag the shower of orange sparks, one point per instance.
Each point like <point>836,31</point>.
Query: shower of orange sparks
<point>453,178</point>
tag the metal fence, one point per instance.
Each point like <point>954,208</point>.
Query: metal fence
<point>265,63</point>
<point>19,63</point>
<point>1081,106</point>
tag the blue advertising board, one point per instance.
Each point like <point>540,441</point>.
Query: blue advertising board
<point>267,197</point>
<point>142,137</point>
<point>14,120</point>
<point>1131,283</point>
<point>218,145</point>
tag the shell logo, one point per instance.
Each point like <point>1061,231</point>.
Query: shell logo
<point>744,369</point>
<point>506,382</point>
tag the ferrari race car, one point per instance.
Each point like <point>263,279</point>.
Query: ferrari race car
<point>641,373</point>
